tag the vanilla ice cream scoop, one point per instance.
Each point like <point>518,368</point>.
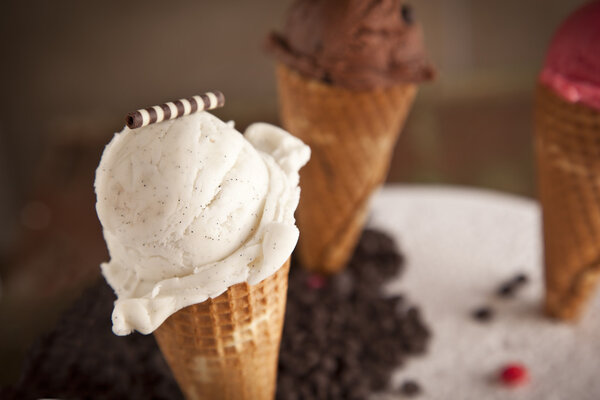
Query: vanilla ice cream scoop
<point>191,207</point>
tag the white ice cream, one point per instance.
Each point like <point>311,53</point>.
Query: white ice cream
<point>190,207</point>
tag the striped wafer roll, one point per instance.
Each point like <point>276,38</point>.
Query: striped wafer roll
<point>175,109</point>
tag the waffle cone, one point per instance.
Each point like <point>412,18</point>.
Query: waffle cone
<point>568,161</point>
<point>227,347</point>
<point>352,135</point>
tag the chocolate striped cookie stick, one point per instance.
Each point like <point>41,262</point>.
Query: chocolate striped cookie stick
<point>175,109</point>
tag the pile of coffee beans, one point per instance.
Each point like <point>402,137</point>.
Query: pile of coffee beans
<point>342,339</point>
<point>83,359</point>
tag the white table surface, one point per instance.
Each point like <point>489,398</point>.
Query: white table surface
<point>460,244</point>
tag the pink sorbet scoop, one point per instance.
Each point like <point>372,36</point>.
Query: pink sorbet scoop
<point>572,67</point>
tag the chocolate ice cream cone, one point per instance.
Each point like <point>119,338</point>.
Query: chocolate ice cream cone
<point>228,347</point>
<point>352,136</point>
<point>568,160</point>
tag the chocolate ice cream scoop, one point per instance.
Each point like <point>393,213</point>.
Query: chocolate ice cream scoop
<point>357,44</point>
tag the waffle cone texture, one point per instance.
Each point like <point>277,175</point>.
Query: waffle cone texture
<point>352,135</point>
<point>568,162</point>
<point>228,347</point>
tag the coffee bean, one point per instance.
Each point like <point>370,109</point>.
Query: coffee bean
<point>343,284</point>
<point>506,290</point>
<point>329,364</point>
<point>334,391</point>
<point>483,314</point>
<point>520,279</point>
<point>410,388</point>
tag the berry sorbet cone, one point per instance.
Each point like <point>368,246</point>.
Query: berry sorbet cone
<point>352,135</point>
<point>568,160</point>
<point>227,347</point>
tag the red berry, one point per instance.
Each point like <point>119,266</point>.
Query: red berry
<point>315,281</point>
<point>514,375</point>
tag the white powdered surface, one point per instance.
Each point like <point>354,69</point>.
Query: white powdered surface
<point>460,244</point>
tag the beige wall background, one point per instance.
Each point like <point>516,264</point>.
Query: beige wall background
<point>72,69</point>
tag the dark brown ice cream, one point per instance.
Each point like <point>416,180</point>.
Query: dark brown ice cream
<point>358,44</point>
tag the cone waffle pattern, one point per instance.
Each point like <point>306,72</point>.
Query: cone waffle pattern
<point>568,157</point>
<point>227,347</point>
<point>352,135</point>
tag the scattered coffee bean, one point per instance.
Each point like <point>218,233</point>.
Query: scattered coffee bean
<point>483,314</point>
<point>410,388</point>
<point>521,279</point>
<point>509,288</point>
<point>506,290</point>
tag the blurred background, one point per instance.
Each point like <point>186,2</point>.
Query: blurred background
<point>71,70</point>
